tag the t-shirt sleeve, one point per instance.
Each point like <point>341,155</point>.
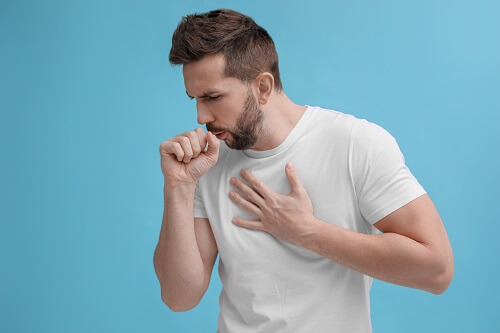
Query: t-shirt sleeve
<point>199,207</point>
<point>382,181</point>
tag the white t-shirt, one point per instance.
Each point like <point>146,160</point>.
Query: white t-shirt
<point>355,174</point>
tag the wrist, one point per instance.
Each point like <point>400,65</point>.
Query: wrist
<point>172,187</point>
<point>174,183</point>
<point>312,228</point>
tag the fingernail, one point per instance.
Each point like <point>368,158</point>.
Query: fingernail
<point>289,166</point>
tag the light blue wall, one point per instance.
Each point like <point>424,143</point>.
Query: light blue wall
<point>87,95</point>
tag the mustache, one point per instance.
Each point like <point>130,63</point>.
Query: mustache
<point>214,129</point>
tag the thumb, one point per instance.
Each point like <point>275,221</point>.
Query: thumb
<point>293,178</point>
<point>213,147</point>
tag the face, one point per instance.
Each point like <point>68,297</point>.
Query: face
<point>224,104</point>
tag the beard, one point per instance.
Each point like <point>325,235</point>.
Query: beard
<point>248,125</point>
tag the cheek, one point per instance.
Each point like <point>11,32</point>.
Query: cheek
<point>227,113</point>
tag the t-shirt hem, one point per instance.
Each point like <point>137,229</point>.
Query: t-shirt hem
<point>199,214</point>
<point>395,204</point>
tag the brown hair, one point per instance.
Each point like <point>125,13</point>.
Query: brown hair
<point>247,47</point>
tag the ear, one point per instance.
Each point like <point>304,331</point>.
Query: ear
<point>265,87</point>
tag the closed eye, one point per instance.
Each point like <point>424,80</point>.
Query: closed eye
<point>206,97</point>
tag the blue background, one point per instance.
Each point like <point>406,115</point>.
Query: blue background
<point>87,95</point>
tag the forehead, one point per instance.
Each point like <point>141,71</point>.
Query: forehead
<point>207,74</point>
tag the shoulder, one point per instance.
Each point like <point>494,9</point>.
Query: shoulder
<point>360,131</point>
<point>368,132</point>
<point>368,138</point>
<point>372,145</point>
<point>321,114</point>
<point>331,122</point>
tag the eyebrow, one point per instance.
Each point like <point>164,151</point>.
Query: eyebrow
<point>205,94</point>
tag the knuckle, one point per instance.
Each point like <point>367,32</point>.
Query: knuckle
<point>191,136</point>
<point>200,133</point>
<point>246,191</point>
<point>177,147</point>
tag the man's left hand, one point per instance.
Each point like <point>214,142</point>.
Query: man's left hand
<point>287,217</point>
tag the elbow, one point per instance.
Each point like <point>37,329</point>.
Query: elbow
<point>178,306</point>
<point>442,281</point>
<point>179,298</point>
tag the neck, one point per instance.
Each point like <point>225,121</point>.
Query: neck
<point>281,116</point>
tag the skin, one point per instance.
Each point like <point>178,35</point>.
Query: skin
<point>413,249</point>
<point>204,79</point>
<point>248,126</point>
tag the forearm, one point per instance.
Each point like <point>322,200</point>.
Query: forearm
<point>389,257</point>
<point>177,260</point>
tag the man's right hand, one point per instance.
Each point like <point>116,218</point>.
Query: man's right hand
<point>184,159</point>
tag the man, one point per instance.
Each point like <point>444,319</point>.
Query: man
<point>290,196</point>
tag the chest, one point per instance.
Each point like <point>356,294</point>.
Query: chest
<point>325,178</point>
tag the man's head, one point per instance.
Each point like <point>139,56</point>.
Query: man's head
<point>247,47</point>
<point>230,66</point>
<point>226,104</point>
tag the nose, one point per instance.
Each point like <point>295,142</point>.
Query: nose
<point>204,114</point>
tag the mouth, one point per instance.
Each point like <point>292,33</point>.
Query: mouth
<point>220,135</point>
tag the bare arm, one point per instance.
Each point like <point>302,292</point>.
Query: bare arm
<point>207,245</point>
<point>412,251</point>
<point>186,251</point>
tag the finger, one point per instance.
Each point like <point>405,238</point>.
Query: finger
<point>248,191</point>
<point>245,204</point>
<point>293,178</point>
<point>202,137</point>
<point>195,143</point>
<point>257,184</point>
<point>186,147</point>
<point>172,148</point>
<point>249,224</point>
<point>213,146</point>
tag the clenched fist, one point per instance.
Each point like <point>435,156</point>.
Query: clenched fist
<point>184,158</point>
